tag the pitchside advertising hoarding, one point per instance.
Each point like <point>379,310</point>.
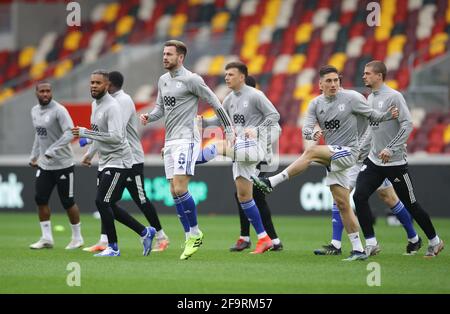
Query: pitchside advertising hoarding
<point>213,190</point>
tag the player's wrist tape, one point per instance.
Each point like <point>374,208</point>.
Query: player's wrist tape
<point>81,132</point>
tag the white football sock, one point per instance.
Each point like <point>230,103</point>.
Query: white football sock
<point>103,238</point>
<point>46,229</point>
<point>276,241</point>
<point>356,241</point>
<point>337,244</point>
<point>161,234</point>
<point>414,239</point>
<point>279,178</point>
<point>262,235</point>
<point>76,231</point>
<point>434,241</point>
<point>195,230</point>
<point>246,239</point>
<point>372,241</point>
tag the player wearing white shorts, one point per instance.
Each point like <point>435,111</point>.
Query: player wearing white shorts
<point>179,91</point>
<point>387,194</point>
<point>336,112</point>
<point>255,120</point>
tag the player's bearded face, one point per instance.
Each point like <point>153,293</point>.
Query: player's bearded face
<point>44,94</point>
<point>171,59</point>
<point>99,86</point>
<point>329,84</point>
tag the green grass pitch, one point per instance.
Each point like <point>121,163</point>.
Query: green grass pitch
<point>213,269</point>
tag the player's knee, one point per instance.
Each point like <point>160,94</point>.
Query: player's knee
<point>388,197</point>
<point>342,203</point>
<point>68,202</point>
<point>179,190</point>
<point>359,198</point>
<point>101,204</point>
<point>172,191</point>
<point>40,201</point>
<point>244,197</point>
<point>311,152</point>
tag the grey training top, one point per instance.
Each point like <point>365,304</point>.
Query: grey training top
<point>108,131</point>
<point>393,134</point>
<point>128,111</point>
<point>53,126</point>
<point>338,117</point>
<point>178,95</point>
<point>249,107</point>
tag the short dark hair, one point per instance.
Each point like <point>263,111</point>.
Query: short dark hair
<point>43,82</point>
<point>101,72</point>
<point>250,81</point>
<point>116,78</point>
<point>378,67</point>
<point>327,69</point>
<point>238,65</point>
<point>179,45</point>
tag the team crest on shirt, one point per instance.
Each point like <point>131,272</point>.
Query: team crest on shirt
<point>99,115</point>
<point>179,84</point>
<point>341,107</point>
<point>245,104</point>
<point>380,104</point>
<point>47,118</point>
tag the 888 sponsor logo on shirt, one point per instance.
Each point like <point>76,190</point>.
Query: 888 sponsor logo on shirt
<point>169,102</point>
<point>238,119</point>
<point>332,124</point>
<point>41,131</point>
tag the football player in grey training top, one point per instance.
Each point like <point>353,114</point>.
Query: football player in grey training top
<point>255,120</point>
<point>179,91</point>
<point>53,157</point>
<point>387,159</point>
<point>135,182</point>
<point>115,160</point>
<point>208,153</point>
<point>336,113</point>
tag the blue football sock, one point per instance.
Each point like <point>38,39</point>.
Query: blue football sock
<point>190,210</point>
<point>114,246</point>
<point>181,215</point>
<point>338,226</point>
<point>208,153</point>
<point>252,213</point>
<point>402,214</point>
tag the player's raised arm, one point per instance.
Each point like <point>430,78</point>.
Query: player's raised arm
<point>361,107</point>
<point>199,88</point>
<point>114,134</point>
